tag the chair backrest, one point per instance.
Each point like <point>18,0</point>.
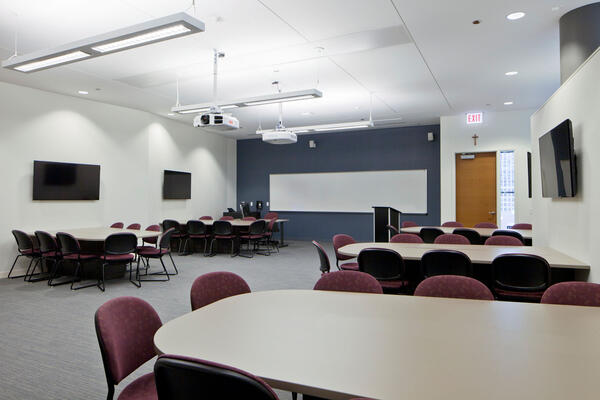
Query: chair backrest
<point>501,240</point>
<point>68,244</point>
<point>520,272</point>
<point>573,293</point>
<point>393,230</point>
<point>120,243</point>
<point>125,327</point>
<point>348,281</point>
<point>445,262</point>
<point>406,238</point>
<point>522,226</point>
<point>206,218</point>
<point>185,378</point>
<point>171,223</point>
<point>490,225</point>
<point>153,228</point>
<point>248,219</point>
<point>409,224</point>
<point>429,234</point>
<point>135,227</point>
<point>341,240</point>
<point>226,218</point>
<point>272,215</point>
<point>24,242</point>
<point>451,238</point>
<point>472,235</point>
<point>196,227</point>
<point>164,240</point>
<point>258,227</point>
<point>452,224</point>
<point>505,232</point>
<point>325,266</point>
<point>118,225</point>
<point>382,264</point>
<point>215,286</point>
<point>453,286</point>
<point>221,227</point>
<point>46,242</point>
<point>270,225</point>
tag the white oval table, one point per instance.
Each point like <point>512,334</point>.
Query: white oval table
<point>341,345</point>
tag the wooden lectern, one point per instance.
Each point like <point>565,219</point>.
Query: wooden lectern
<point>382,217</point>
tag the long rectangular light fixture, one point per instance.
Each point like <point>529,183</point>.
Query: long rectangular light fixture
<point>325,127</point>
<point>253,101</point>
<point>157,30</point>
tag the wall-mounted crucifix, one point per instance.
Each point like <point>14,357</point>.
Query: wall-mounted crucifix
<point>475,137</point>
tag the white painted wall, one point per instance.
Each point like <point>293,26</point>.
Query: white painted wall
<point>499,131</point>
<point>132,147</point>
<point>571,225</point>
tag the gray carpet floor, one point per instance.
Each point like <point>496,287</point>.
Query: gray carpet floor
<point>48,346</point>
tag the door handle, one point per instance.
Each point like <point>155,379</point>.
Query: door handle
<point>492,212</point>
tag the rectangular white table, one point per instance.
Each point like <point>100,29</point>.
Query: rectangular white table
<point>484,232</point>
<point>241,223</point>
<point>99,234</point>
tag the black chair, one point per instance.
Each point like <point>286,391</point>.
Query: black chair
<point>445,262</point>
<point>163,248</point>
<point>119,248</point>
<point>255,235</point>
<point>26,249</point>
<point>471,234</point>
<point>506,232</point>
<point>223,230</point>
<point>185,378</point>
<point>178,234</point>
<point>520,277</point>
<point>196,229</point>
<point>429,234</point>
<point>71,251</point>
<point>325,266</point>
<point>50,253</point>
<point>385,265</point>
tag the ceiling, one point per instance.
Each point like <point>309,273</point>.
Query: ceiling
<point>418,59</point>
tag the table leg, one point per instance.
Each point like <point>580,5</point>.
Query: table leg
<point>281,235</point>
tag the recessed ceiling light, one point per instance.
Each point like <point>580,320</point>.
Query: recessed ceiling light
<point>511,73</point>
<point>82,92</point>
<point>170,114</point>
<point>508,103</point>
<point>515,15</point>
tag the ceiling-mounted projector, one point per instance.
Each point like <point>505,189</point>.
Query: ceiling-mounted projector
<point>283,136</point>
<point>216,120</point>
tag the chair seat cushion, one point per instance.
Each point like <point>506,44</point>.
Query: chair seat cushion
<point>178,235</point>
<point>224,236</point>
<point>148,251</point>
<point>143,388</point>
<point>199,236</point>
<point>118,257</point>
<point>393,284</point>
<point>516,294</point>
<point>251,236</point>
<point>31,252</point>
<point>81,256</point>
<point>51,254</point>
<point>351,266</point>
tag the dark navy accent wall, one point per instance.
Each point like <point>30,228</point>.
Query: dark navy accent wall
<point>367,150</point>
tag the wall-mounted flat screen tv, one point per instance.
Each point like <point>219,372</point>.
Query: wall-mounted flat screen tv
<point>65,181</point>
<point>177,185</point>
<point>558,163</point>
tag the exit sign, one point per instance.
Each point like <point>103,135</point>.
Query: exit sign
<point>474,118</point>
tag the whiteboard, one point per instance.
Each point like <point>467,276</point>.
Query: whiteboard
<point>404,190</point>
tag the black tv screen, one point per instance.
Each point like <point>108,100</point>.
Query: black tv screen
<point>65,181</point>
<point>177,185</point>
<point>557,161</point>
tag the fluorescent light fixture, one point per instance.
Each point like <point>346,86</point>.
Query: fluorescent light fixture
<point>169,27</point>
<point>341,128</point>
<point>325,127</point>
<point>83,92</point>
<point>508,103</point>
<point>516,15</point>
<point>511,73</point>
<point>253,101</point>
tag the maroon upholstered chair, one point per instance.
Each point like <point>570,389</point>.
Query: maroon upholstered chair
<point>223,230</point>
<point>272,215</point>
<point>490,225</point>
<point>406,238</point>
<point>152,240</point>
<point>119,225</point>
<point>215,286</point>
<point>135,227</point>
<point>254,236</point>
<point>506,232</point>
<point>162,249</point>
<point>26,249</point>
<point>409,224</point>
<point>520,277</point>
<point>451,238</point>
<point>50,254</point>
<point>125,327</point>
<point>471,234</point>
<point>452,224</point>
<point>573,293</point>
<point>71,251</point>
<point>341,240</point>
<point>244,231</point>
<point>178,234</point>
<point>385,265</point>
<point>445,262</point>
<point>428,234</point>
<point>119,248</point>
<point>196,230</point>
<point>186,378</point>
<point>522,226</point>
<point>226,218</point>
<point>268,237</point>
<point>349,281</point>
<point>501,240</point>
<point>453,286</point>
<point>325,266</point>
<point>206,218</point>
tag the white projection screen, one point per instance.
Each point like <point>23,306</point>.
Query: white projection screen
<point>404,190</point>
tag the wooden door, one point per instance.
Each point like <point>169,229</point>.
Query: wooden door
<point>476,188</point>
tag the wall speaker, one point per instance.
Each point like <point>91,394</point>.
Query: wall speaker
<point>312,144</point>
<point>430,137</point>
